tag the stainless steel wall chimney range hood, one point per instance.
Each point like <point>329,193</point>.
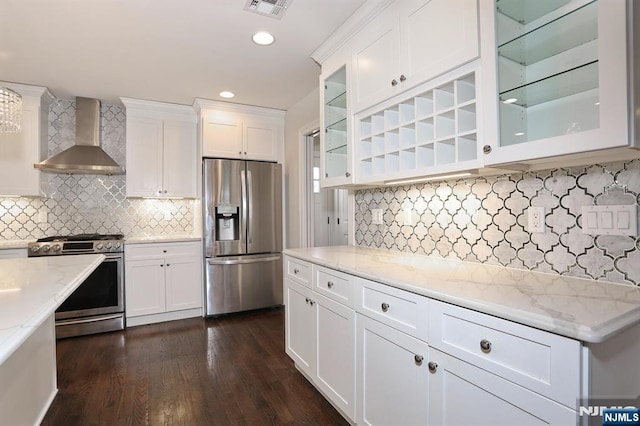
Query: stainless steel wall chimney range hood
<point>85,156</point>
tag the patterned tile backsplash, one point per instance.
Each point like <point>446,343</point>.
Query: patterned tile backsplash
<point>485,220</point>
<point>77,204</point>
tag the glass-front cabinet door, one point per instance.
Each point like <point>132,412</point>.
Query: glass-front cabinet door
<point>335,139</point>
<point>561,78</point>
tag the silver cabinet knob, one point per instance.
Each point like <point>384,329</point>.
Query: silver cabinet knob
<point>485,346</point>
<point>168,264</point>
<point>311,302</point>
<point>432,366</point>
<point>385,307</point>
<point>403,78</point>
<point>165,191</point>
<point>162,266</point>
<point>159,191</point>
<point>306,299</point>
<point>347,174</point>
<point>418,359</point>
<point>245,153</point>
<point>394,82</point>
<point>486,149</point>
<point>329,284</point>
<point>240,152</point>
<point>295,271</point>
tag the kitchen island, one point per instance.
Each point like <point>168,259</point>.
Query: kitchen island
<point>31,289</point>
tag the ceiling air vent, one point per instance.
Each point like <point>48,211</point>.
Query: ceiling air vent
<point>272,8</point>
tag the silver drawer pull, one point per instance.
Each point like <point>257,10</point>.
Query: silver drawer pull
<point>418,359</point>
<point>485,346</point>
<point>385,307</point>
<point>295,271</point>
<point>329,284</point>
<point>432,367</point>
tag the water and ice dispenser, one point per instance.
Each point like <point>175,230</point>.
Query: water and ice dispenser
<point>227,222</point>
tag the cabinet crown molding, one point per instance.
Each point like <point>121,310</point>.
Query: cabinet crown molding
<point>369,10</point>
<point>185,112</point>
<point>29,90</point>
<point>200,104</point>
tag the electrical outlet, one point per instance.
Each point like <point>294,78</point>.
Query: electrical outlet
<point>408,217</point>
<point>536,219</point>
<point>167,215</point>
<point>42,217</point>
<point>376,216</point>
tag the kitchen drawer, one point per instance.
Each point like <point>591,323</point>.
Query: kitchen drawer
<point>298,270</point>
<point>334,284</point>
<point>543,362</point>
<point>402,310</point>
<point>161,250</point>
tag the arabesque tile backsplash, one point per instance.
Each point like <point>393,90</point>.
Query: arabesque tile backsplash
<point>77,204</point>
<point>485,220</point>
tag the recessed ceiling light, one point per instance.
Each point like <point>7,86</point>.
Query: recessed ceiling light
<point>509,101</point>
<point>263,38</point>
<point>227,94</point>
<point>597,103</point>
<point>519,134</point>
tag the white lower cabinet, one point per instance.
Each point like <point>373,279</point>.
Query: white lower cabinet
<point>400,358</point>
<point>463,394</point>
<point>13,253</point>
<point>300,325</point>
<point>320,338</point>
<point>162,282</point>
<point>392,378</point>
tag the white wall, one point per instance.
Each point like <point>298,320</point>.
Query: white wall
<point>299,116</point>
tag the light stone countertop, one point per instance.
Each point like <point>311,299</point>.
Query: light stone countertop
<point>14,244</point>
<point>31,289</point>
<point>583,309</point>
<point>161,239</point>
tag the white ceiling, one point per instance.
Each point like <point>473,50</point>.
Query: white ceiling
<point>165,50</point>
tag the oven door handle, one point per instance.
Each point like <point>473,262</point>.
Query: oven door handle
<point>86,320</point>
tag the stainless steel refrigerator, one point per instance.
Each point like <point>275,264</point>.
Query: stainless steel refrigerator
<point>243,235</point>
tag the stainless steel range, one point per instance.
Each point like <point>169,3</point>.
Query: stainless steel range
<point>97,305</point>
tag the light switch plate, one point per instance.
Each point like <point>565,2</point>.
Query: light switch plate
<point>610,220</point>
<point>376,216</point>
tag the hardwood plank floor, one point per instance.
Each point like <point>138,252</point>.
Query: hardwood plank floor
<point>222,371</point>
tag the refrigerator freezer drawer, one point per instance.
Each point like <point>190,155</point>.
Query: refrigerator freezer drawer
<point>242,283</point>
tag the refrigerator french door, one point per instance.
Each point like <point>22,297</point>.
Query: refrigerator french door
<point>243,235</point>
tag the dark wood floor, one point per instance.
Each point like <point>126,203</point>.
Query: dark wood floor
<point>223,371</point>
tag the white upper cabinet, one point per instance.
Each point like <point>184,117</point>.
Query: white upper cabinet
<point>238,131</point>
<point>160,150</point>
<point>411,42</point>
<point>375,60</point>
<point>336,161</point>
<point>20,151</point>
<point>436,36</point>
<point>557,80</point>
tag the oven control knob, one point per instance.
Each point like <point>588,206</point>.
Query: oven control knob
<point>107,246</point>
<point>117,246</point>
<point>56,248</point>
<point>99,246</point>
<point>45,248</point>
<point>35,249</point>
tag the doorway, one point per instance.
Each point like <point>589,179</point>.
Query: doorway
<point>327,207</point>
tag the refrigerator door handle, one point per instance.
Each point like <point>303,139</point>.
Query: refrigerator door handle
<point>250,205</point>
<point>243,184</point>
<point>241,261</point>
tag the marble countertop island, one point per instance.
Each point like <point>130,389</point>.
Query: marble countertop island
<point>31,289</point>
<point>583,309</point>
